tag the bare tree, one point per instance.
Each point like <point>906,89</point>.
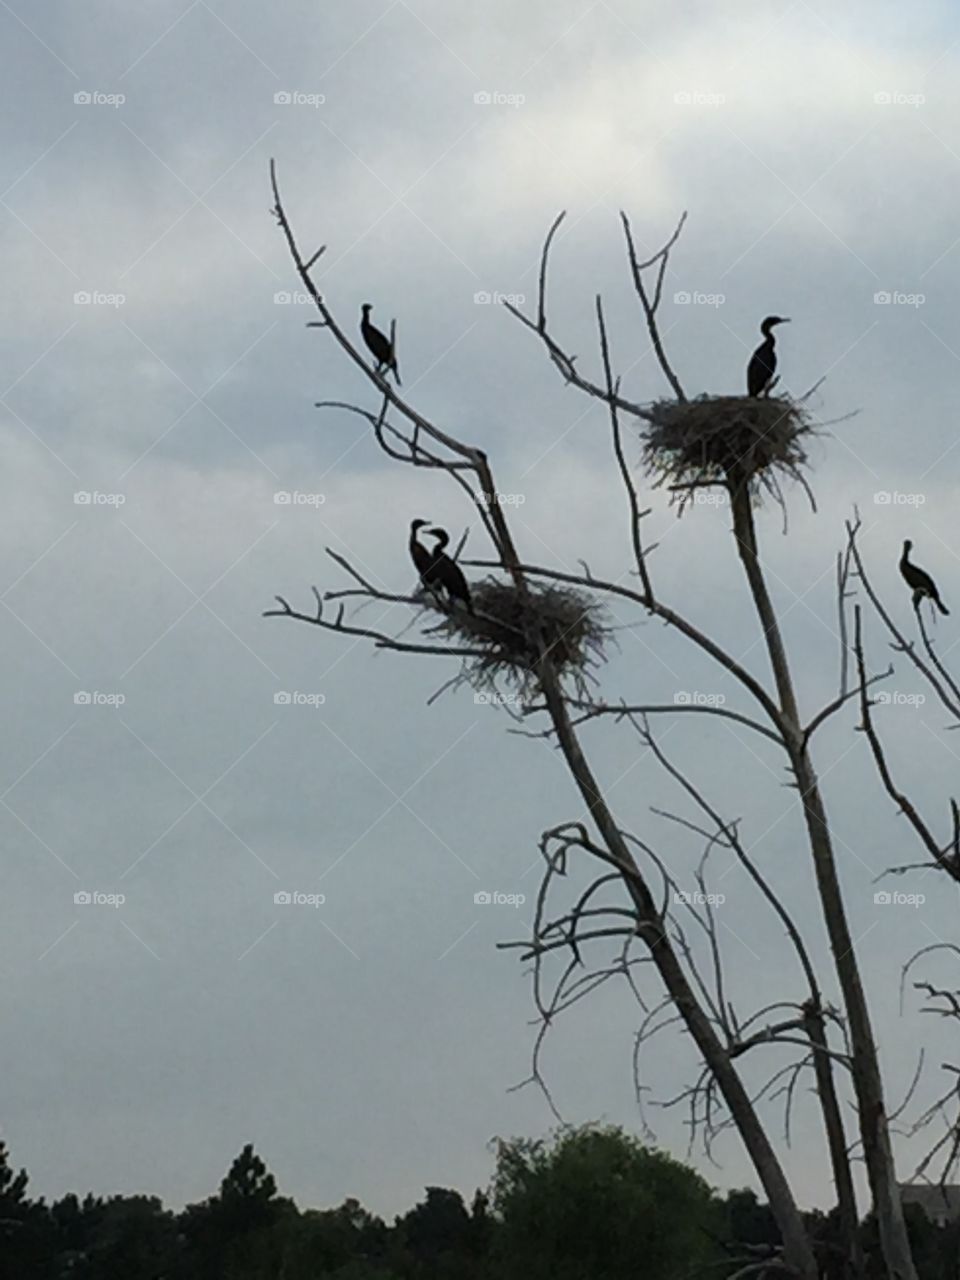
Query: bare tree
<point>941,851</point>
<point>537,627</point>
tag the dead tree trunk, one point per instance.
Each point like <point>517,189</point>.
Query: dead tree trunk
<point>871,1111</point>
<point>419,442</point>
<point>798,1253</point>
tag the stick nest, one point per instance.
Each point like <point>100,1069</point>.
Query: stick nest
<point>510,627</point>
<point>731,440</point>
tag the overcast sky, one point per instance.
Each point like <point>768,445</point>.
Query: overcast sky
<point>155,363</point>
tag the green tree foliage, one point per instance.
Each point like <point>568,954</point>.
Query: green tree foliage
<point>438,1225</point>
<point>747,1221</point>
<point>121,1236</point>
<point>347,1242</point>
<point>24,1224</point>
<point>596,1202</point>
<point>587,1204</point>
<point>240,1234</point>
<point>481,1225</point>
<point>439,1238</point>
<point>13,1190</point>
<point>935,1249</point>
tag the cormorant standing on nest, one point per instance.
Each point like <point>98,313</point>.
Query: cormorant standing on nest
<point>447,571</point>
<point>379,344</point>
<point>424,559</point>
<point>921,582</point>
<point>763,362</point>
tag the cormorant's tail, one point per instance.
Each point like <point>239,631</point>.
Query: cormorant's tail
<point>396,373</point>
<point>942,607</point>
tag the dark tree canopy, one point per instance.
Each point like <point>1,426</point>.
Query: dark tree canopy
<point>586,1203</point>
<point>592,1202</point>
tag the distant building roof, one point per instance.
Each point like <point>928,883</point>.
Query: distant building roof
<point>940,1204</point>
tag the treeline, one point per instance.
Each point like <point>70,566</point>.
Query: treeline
<point>587,1203</point>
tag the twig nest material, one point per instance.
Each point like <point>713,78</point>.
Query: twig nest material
<point>513,628</point>
<point>731,440</point>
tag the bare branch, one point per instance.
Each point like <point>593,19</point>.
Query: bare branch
<point>928,645</point>
<point>900,799</point>
<point>650,306</point>
<point>544,256</point>
<point>593,710</point>
<point>380,638</point>
<point>388,391</point>
<point>636,515</point>
<point>840,701</point>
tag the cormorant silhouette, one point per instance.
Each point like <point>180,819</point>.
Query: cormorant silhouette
<point>424,560</point>
<point>921,582</point>
<point>379,344</point>
<point>763,362</point>
<point>447,571</point>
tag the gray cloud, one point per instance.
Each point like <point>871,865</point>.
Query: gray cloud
<point>366,1046</point>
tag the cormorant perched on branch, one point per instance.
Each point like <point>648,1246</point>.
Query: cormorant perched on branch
<point>379,344</point>
<point>424,559</point>
<point>447,571</point>
<point>763,362</point>
<point>923,585</point>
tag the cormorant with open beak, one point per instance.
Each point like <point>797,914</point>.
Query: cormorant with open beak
<point>763,362</point>
<point>447,571</point>
<point>919,581</point>
<point>379,344</point>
